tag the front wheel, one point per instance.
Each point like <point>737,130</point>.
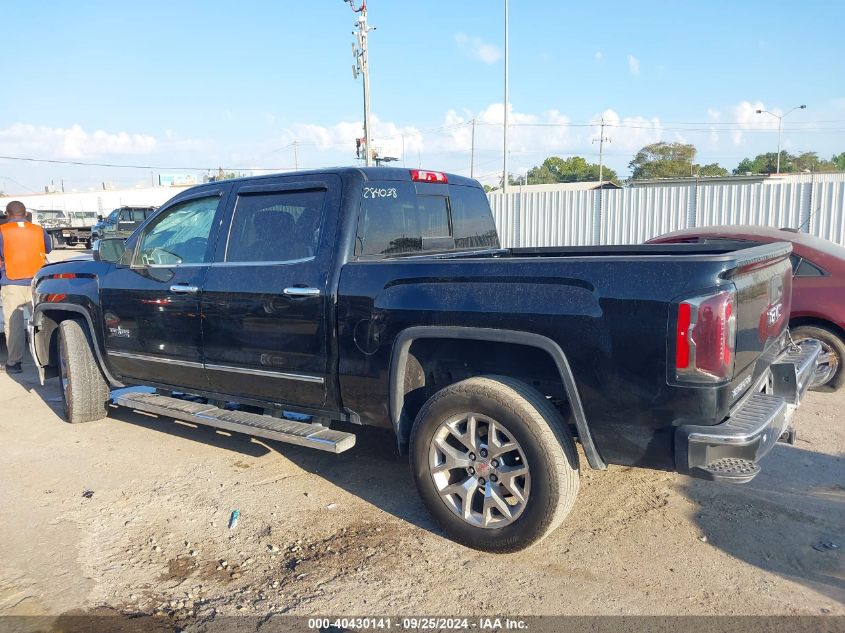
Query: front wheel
<point>830,374</point>
<point>494,463</point>
<point>85,392</point>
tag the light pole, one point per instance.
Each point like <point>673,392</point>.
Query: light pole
<point>780,118</point>
<point>505,139</point>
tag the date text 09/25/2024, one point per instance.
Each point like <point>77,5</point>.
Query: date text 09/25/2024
<point>418,623</point>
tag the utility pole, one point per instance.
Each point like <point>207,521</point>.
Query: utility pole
<point>601,140</point>
<point>295,155</point>
<point>362,67</point>
<point>472,153</point>
<point>505,139</point>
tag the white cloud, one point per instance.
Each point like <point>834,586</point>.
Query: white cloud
<point>531,138</point>
<point>630,133</point>
<point>599,56</point>
<point>478,49</point>
<point>634,65</point>
<point>72,142</point>
<point>444,143</point>
<point>742,116</point>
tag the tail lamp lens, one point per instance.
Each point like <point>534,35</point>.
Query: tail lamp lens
<point>705,338</point>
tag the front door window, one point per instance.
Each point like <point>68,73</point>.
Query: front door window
<point>180,236</point>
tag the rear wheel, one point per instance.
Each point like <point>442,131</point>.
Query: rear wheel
<point>830,375</point>
<point>85,392</point>
<point>494,463</point>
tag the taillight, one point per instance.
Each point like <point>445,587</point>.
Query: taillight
<point>420,175</point>
<point>705,338</point>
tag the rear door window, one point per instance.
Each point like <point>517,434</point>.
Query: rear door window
<point>276,227</point>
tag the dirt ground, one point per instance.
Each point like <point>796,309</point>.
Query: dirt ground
<point>131,515</point>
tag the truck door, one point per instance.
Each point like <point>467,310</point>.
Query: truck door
<point>151,304</point>
<point>265,300</point>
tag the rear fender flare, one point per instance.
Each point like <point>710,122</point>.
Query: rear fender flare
<point>399,357</point>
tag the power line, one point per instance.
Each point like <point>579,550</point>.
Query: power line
<point>19,184</point>
<point>806,126</point>
<point>123,166</point>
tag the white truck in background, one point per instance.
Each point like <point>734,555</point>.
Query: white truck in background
<point>66,228</point>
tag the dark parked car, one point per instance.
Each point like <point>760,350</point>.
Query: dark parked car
<point>121,222</point>
<point>818,288</point>
<point>382,297</point>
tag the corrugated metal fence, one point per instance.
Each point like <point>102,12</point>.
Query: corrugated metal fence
<point>815,204</point>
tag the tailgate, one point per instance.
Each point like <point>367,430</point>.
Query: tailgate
<point>763,279</point>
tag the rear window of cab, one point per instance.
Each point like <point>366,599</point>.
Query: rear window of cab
<point>405,218</point>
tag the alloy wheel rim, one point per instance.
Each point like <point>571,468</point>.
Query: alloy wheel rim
<point>479,470</point>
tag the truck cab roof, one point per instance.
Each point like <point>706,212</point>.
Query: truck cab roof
<point>369,173</point>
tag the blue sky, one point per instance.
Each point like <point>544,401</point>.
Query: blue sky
<point>202,85</point>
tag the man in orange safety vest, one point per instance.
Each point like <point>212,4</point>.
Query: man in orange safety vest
<point>23,250</point>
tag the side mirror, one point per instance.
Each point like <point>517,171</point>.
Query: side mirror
<point>109,249</point>
<point>100,217</point>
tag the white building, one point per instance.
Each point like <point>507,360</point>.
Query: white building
<point>101,201</point>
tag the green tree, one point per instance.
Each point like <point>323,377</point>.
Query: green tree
<point>746,166</point>
<point>223,175</point>
<point>712,169</point>
<point>838,161</point>
<point>789,163</point>
<point>764,164</point>
<point>574,169</point>
<point>810,161</point>
<point>663,160</point>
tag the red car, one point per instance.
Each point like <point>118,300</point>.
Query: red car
<point>818,288</point>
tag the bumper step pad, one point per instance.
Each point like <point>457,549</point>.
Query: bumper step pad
<point>728,469</point>
<point>265,426</point>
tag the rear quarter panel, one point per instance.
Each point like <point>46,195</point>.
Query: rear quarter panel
<point>609,315</point>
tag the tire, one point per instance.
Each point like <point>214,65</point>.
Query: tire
<point>515,414</point>
<point>833,349</point>
<point>85,392</point>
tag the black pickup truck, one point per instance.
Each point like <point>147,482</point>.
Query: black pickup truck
<point>282,306</point>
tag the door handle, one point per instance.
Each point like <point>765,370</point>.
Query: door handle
<point>296,291</point>
<point>183,289</point>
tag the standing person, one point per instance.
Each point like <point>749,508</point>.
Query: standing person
<point>23,250</point>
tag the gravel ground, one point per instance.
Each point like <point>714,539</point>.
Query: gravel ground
<point>130,515</point>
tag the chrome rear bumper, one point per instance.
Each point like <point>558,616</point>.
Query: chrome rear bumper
<point>729,451</point>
